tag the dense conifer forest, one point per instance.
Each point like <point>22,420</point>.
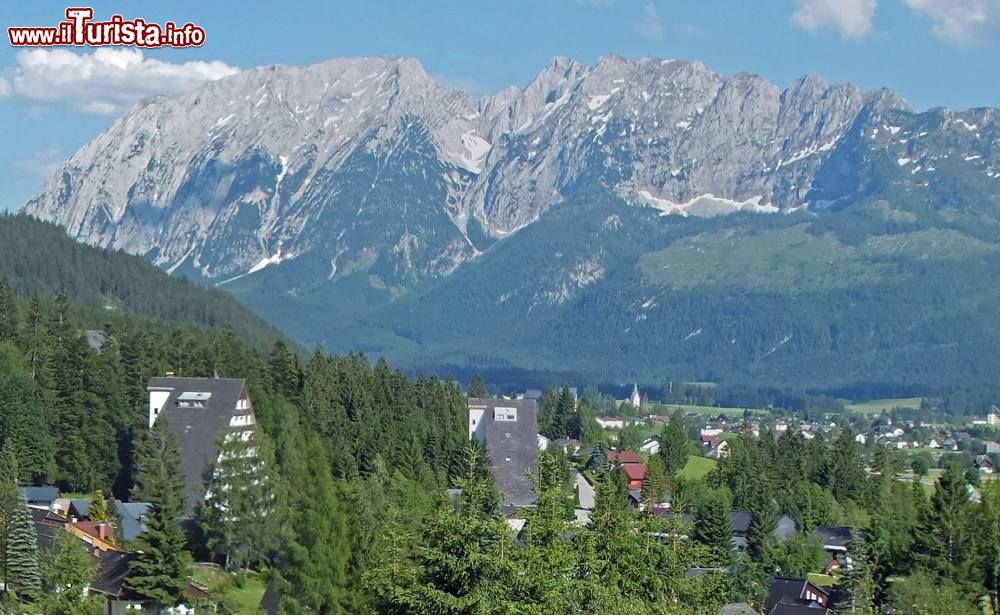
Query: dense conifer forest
<point>359,459</point>
<point>101,285</point>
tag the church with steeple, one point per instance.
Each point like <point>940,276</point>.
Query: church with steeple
<point>635,399</point>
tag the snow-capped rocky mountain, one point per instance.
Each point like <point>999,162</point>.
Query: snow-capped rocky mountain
<point>368,164</point>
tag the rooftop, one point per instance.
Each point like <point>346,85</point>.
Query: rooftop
<point>834,536</point>
<point>197,410</point>
<point>624,457</point>
<point>511,434</point>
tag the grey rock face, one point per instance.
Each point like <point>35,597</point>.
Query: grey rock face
<point>368,164</point>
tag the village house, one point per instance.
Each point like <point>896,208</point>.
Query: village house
<point>797,596</point>
<point>636,473</point>
<point>739,524</point>
<point>623,457</point>
<point>568,446</point>
<point>610,422</point>
<point>131,514</point>
<point>992,417</point>
<point>40,497</point>
<point>112,565</point>
<point>651,446</point>
<point>720,450</point>
<point>198,411</point>
<point>984,464</point>
<point>835,541</point>
<point>509,427</point>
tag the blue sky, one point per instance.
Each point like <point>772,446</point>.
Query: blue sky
<point>932,52</point>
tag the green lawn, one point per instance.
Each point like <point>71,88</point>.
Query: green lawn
<point>697,467</point>
<point>247,598</point>
<point>668,409</point>
<point>245,593</point>
<point>929,481</point>
<point>878,406</point>
<point>823,580</point>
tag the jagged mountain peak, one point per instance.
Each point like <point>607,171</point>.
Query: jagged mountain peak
<point>370,164</point>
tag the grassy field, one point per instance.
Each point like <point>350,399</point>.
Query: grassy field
<point>878,406</point>
<point>697,467</point>
<point>245,592</point>
<point>823,580</point>
<point>668,409</point>
<point>781,260</point>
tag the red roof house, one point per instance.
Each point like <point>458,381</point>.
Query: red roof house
<point>636,473</point>
<point>624,457</point>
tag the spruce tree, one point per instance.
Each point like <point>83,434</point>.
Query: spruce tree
<point>67,570</point>
<point>760,534</point>
<point>23,418</point>
<point>477,387</point>
<point>673,444</point>
<point>943,537</point>
<point>317,558</point>
<point>599,463</point>
<point>858,583</point>
<point>18,548</point>
<point>159,571</point>
<point>568,421</point>
<point>713,529</point>
<point>8,312</point>
<point>284,371</point>
<point>654,486</point>
<point>848,479</point>
<point>98,510</point>
<point>240,515</point>
<point>155,450</point>
<point>35,342</point>
<point>610,499</point>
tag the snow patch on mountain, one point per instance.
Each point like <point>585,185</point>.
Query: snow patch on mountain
<point>369,160</point>
<point>705,205</point>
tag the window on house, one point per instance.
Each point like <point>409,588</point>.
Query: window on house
<point>505,414</point>
<point>193,399</point>
<point>241,420</point>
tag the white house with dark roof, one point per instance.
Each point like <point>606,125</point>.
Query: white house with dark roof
<point>509,427</point>
<point>198,410</point>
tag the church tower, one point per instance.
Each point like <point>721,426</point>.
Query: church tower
<point>635,399</point>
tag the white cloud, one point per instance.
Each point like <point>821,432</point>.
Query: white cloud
<point>107,81</point>
<point>851,18</point>
<point>4,88</point>
<point>650,25</point>
<point>960,22</point>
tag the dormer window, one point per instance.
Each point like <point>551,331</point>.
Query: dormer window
<point>193,400</point>
<point>505,414</point>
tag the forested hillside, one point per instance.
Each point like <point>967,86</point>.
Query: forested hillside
<point>875,293</point>
<point>104,285</point>
<point>346,438</point>
<point>359,457</point>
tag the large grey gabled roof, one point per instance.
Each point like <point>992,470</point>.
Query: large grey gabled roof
<point>197,426</point>
<point>513,447</point>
